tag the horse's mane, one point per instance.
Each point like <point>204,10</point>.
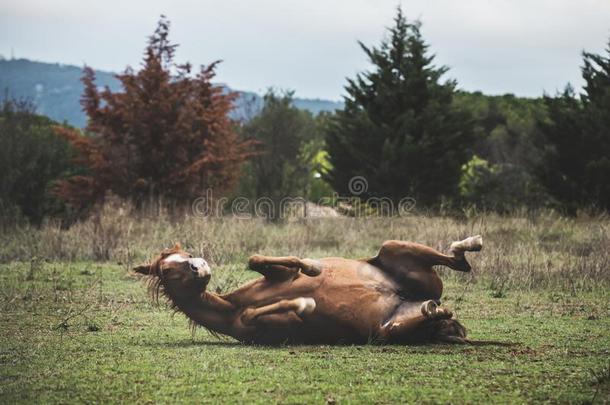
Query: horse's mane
<point>156,288</point>
<point>154,285</point>
<point>154,278</point>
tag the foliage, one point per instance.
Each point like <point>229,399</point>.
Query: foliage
<point>500,187</point>
<point>576,168</point>
<point>287,145</point>
<point>32,158</point>
<point>319,190</point>
<point>399,128</point>
<point>501,175</point>
<point>167,134</point>
<point>505,127</point>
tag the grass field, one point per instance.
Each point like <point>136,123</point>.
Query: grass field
<point>75,326</point>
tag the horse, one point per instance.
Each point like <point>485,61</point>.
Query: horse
<point>390,298</point>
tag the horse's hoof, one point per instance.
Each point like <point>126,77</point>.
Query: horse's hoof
<point>311,267</point>
<point>306,306</point>
<point>471,244</point>
<point>255,260</point>
<point>444,313</point>
<point>431,310</point>
<point>428,309</point>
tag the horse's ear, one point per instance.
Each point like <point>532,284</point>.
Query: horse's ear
<point>177,246</point>
<point>142,269</point>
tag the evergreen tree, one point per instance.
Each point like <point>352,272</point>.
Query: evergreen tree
<point>399,128</point>
<point>167,133</point>
<point>576,136</point>
<point>596,103</point>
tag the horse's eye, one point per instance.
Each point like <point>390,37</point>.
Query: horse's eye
<point>190,256</point>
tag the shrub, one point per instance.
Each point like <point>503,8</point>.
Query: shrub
<point>32,158</point>
<point>500,187</point>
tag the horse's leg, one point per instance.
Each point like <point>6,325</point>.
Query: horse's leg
<point>300,306</point>
<point>422,321</point>
<point>277,267</point>
<point>275,328</point>
<point>410,253</point>
<point>457,249</point>
<point>275,272</point>
<point>410,264</point>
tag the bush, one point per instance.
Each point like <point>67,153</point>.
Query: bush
<point>32,158</point>
<point>500,187</point>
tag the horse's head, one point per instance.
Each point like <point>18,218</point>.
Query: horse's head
<point>177,272</point>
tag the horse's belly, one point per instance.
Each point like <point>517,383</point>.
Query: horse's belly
<point>353,299</point>
<point>351,315</point>
<point>351,306</point>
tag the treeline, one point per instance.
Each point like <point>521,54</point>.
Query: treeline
<point>405,129</point>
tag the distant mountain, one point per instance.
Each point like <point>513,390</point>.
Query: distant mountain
<point>56,89</point>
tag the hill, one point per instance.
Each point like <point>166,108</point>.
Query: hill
<point>56,89</point>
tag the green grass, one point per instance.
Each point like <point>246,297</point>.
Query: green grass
<point>87,332</point>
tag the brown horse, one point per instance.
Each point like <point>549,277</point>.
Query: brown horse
<point>392,297</point>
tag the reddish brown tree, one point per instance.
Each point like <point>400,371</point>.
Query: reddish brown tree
<point>168,133</point>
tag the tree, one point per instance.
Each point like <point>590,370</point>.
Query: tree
<point>399,128</point>
<point>500,187</point>
<point>286,145</point>
<point>596,103</point>
<point>32,158</point>
<point>576,136</point>
<point>167,134</point>
<point>501,174</point>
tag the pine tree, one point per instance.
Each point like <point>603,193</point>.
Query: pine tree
<point>168,133</point>
<point>399,128</point>
<point>596,102</point>
<point>576,138</point>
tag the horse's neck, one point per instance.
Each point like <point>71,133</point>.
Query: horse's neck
<point>208,310</point>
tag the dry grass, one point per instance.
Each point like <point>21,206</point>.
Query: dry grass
<point>521,251</point>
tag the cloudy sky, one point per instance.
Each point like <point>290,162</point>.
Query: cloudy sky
<point>523,47</point>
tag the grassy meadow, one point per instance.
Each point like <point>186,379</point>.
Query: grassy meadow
<point>76,326</point>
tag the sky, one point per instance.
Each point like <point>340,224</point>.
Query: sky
<point>524,47</point>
